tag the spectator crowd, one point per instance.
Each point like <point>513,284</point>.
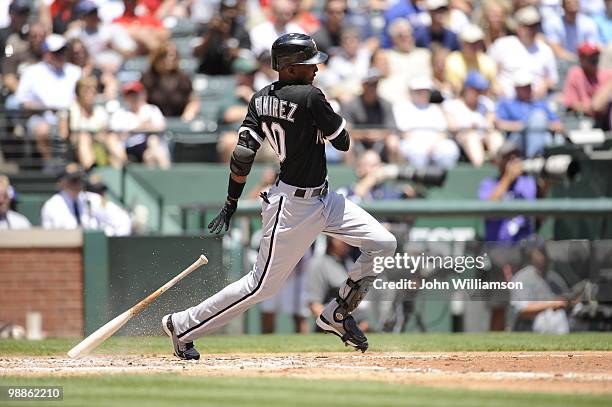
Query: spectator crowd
<point>426,82</point>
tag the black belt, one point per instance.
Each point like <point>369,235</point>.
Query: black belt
<point>301,193</point>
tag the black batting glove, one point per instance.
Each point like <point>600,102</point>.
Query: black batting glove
<point>223,218</point>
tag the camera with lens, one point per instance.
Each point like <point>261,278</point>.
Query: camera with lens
<point>428,176</point>
<point>554,168</point>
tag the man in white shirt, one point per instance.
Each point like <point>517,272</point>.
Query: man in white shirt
<point>49,84</point>
<point>264,34</point>
<point>108,44</point>
<point>9,219</point>
<point>525,52</point>
<point>423,124</point>
<point>73,208</point>
<point>405,61</point>
<point>347,68</point>
<point>139,125</point>
<point>113,219</point>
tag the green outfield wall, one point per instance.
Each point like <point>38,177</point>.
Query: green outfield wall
<point>120,271</point>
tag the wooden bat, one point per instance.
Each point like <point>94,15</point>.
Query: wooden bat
<point>104,332</point>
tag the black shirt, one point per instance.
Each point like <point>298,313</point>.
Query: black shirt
<point>217,58</point>
<point>295,119</point>
<point>170,92</point>
<point>327,41</point>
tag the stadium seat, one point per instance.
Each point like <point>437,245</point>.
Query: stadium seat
<point>574,122</point>
<point>140,64</point>
<point>562,68</point>
<point>184,46</point>
<point>195,141</point>
<point>189,65</point>
<point>213,86</point>
<point>34,182</point>
<point>209,108</point>
<point>180,26</point>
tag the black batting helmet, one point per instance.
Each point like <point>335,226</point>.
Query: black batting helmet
<point>295,49</point>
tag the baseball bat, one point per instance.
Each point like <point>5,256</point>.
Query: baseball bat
<point>104,332</point>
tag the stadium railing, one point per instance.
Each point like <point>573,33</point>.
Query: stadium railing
<point>18,146</point>
<point>553,207</point>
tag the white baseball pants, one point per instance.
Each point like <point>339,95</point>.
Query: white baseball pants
<point>290,224</point>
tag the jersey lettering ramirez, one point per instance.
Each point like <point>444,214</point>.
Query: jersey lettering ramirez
<point>295,119</point>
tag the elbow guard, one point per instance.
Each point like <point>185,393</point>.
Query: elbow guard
<point>342,141</point>
<point>244,154</point>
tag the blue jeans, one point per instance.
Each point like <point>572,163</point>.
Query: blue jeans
<point>535,137</point>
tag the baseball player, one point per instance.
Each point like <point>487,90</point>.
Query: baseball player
<point>296,119</point>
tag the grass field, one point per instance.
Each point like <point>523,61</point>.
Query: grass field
<point>168,390</point>
<point>486,342</point>
<point>159,389</point>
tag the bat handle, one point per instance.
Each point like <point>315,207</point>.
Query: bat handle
<point>203,259</point>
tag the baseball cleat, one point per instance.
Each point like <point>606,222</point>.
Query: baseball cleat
<point>183,351</point>
<point>347,330</point>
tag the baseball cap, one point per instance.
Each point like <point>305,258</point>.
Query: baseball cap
<point>229,3</point>
<point>72,172</point>
<point>420,83</point>
<point>372,76</point>
<point>527,16</point>
<point>86,7</point>
<point>588,49</point>
<point>471,33</point>
<point>522,78</point>
<point>435,4</point>
<point>54,43</point>
<point>475,80</point>
<point>20,7</point>
<point>132,87</point>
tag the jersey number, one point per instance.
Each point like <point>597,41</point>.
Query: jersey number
<point>276,136</point>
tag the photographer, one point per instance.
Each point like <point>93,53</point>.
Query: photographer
<point>510,184</point>
<point>221,41</point>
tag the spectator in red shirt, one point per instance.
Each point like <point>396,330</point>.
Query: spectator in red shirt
<point>584,81</point>
<point>63,12</point>
<point>146,29</point>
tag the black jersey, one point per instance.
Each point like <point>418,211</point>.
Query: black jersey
<point>295,119</point>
